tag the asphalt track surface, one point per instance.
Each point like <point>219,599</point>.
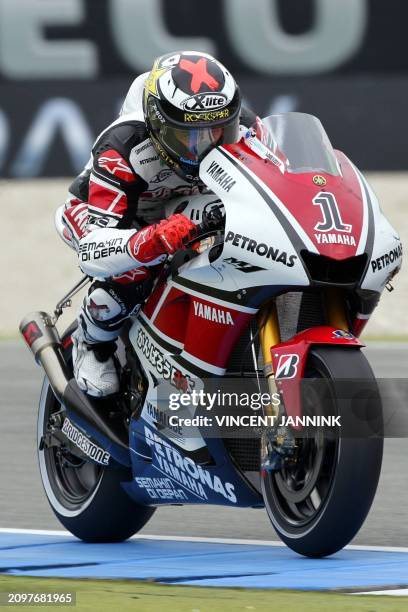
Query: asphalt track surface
<point>23,503</point>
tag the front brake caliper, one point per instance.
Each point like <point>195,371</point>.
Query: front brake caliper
<point>278,446</point>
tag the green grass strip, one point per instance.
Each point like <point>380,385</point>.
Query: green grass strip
<point>110,595</point>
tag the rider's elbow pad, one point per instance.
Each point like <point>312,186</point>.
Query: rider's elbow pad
<point>107,252</point>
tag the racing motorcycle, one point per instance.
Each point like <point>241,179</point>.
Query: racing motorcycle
<point>278,289</point>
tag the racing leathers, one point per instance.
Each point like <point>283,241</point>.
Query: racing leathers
<point>114,218</point>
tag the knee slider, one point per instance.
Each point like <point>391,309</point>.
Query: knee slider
<point>103,308</point>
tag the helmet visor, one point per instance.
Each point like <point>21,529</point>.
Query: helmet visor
<point>190,146</point>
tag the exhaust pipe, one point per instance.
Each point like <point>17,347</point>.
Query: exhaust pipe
<point>42,338</point>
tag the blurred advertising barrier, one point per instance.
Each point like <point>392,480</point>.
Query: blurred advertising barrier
<point>37,268</point>
<point>94,39</point>
<point>47,129</point>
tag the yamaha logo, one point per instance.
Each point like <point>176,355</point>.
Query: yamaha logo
<point>319,180</point>
<point>210,313</point>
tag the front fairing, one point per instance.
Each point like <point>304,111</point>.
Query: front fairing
<point>257,251</point>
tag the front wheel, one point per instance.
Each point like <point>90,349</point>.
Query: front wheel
<point>88,499</point>
<point>319,501</point>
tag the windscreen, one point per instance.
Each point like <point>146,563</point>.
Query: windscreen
<point>301,141</point>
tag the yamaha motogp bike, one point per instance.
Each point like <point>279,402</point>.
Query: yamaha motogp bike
<point>278,290</point>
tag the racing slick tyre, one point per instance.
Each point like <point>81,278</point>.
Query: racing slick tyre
<point>318,502</point>
<point>87,498</point>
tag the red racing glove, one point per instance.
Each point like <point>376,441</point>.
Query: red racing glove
<point>166,237</point>
<point>173,232</point>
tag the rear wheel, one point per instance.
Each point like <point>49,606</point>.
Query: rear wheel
<point>318,502</point>
<point>88,499</point>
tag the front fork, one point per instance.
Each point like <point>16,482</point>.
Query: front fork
<point>279,443</point>
<point>269,333</point>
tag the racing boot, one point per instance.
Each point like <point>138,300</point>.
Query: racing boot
<point>94,365</point>
<point>104,311</point>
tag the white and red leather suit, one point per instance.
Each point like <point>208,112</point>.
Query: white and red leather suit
<point>114,218</point>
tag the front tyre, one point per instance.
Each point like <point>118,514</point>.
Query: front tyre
<point>318,503</point>
<point>88,499</point>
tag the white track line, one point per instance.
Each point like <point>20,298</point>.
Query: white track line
<point>35,531</point>
<point>395,592</point>
<point>204,540</point>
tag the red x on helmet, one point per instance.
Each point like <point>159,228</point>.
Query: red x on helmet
<point>191,105</point>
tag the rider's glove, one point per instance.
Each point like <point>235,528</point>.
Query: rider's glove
<point>174,232</point>
<point>150,244</point>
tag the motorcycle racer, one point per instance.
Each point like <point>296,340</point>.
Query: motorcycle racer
<point>172,117</point>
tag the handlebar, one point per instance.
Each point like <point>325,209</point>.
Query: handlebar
<point>210,225</point>
<point>202,233</point>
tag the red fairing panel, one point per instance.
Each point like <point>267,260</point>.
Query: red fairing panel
<point>359,324</point>
<point>289,361</point>
<point>152,301</point>
<point>332,215</point>
<point>173,315</point>
<point>208,331</point>
<point>213,331</point>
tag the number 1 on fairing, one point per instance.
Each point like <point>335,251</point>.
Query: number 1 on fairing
<point>331,214</point>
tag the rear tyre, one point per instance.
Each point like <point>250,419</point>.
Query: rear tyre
<point>318,504</point>
<point>88,499</point>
